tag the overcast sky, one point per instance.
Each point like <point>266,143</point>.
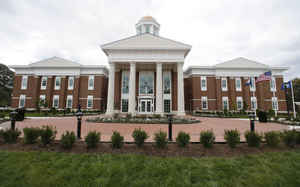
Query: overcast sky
<point>264,31</point>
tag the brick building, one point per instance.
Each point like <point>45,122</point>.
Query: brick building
<point>146,77</point>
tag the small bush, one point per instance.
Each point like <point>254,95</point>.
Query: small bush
<point>183,139</point>
<point>253,139</point>
<point>262,116</point>
<point>67,140</point>
<point>139,137</point>
<point>290,138</point>
<point>20,114</point>
<point>117,140</point>
<point>272,138</point>
<point>92,139</point>
<point>207,138</point>
<point>298,138</point>
<point>10,136</point>
<point>160,139</point>
<point>232,137</point>
<point>48,134</point>
<point>31,134</point>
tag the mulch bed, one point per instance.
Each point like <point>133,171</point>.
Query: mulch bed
<point>172,150</point>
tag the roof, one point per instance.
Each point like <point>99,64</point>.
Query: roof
<point>241,63</point>
<point>55,62</point>
<point>146,41</point>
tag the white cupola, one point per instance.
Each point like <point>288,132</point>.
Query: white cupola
<point>147,24</point>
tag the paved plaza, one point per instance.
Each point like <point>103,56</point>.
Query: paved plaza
<point>218,125</point>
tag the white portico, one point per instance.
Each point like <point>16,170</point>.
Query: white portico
<point>146,72</point>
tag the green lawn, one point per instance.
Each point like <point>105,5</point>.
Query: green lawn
<point>61,169</point>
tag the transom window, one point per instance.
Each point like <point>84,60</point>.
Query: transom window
<point>238,84</point>
<point>71,83</point>
<point>204,103</point>
<point>91,82</point>
<point>167,82</point>
<point>125,82</point>
<point>167,105</point>
<point>44,83</point>
<point>124,105</point>
<point>203,84</point>
<point>224,84</point>
<point>24,82</point>
<point>225,103</point>
<point>239,103</point>
<point>146,83</point>
<point>69,101</point>
<point>57,83</point>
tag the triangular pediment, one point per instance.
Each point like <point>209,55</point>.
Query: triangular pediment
<point>55,62</point>
<point>146,41</point>
<point>241,63</point>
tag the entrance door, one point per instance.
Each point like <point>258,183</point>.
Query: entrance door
<point>146,106</point>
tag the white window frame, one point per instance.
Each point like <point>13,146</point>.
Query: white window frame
<point>22,97</point>
<point>253,99</point>
<point>54,98</point>
<point>57,87</point>
<point>71,87</point>
<point>274,103</point>
<point>91,77</point>
<point>204,99</point>
<point>224,88</point>
<point>239,99</point>
<point>42,98</point>
<point>273,84</point>
<point>238,89</point>
<point>223,106</point>
<point>90,97</point>
<point>203,88</point>
<point>253,86</point>
<point>44,87</point>
<point>24,82</point>
<point>69,97</point>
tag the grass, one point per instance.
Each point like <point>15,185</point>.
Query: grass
<point>62,169</point>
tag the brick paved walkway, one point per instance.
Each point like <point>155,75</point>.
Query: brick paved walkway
<point>218,125</point>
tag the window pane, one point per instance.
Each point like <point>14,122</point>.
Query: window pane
<point>167,105</point>
<point>167,83</point>
<point>146,83</point>
<point>124,105</point>
<point>125,83</point>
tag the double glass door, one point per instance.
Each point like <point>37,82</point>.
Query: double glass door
<point>146,106</point>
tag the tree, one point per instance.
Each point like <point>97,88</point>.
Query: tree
<point>6,85</point>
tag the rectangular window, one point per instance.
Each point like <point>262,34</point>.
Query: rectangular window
<point>90,100</point>
<point>57,83</point>
<point>55,101</point>
<point>167,105</point>
<point>167,82</point>
<point>225,103</point>
<point>69,102</point>
<point>203,84</point>
<point>70,83</point>
<point>22,101</point>
<point>224,84</point>
<point>274,103</point>
<point>253,103</point>
<point>204,103</point>
<point>42,100</point>
<point>44,83</point>
<point>239,103</point>
<point>273,84</point>
<point>24,82</point>
<point>252,86</point>
<point>238,84</point>
<point>124,105</point>
<point>125,82</point>
<point>91,82</point>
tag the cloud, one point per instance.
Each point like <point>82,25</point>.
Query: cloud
<point>265,31</point>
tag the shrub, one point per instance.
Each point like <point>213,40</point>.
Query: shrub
<point>157,116</point>
<point>48,134</point>
<point>290,138</point>
<point>207,138</point>
<point>2,115</point>
<point>298,138</point>
<point>20,114</point>
<point>183,139</point>
<point>67,140</point>
<point>232,137</point>
<point>139,137</point>
<point>253,139</point>
<point>31,134</point>
<point>272,138</point>
<point>92,139</point>
<point>117,140</point>
<point>262,116</point>
<point>160,139</point>
<point>10,136</point>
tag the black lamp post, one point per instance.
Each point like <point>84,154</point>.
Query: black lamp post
<point>13,116</point>
<point>170,119</point>
<point>79,117</point>
<point>252,122</point>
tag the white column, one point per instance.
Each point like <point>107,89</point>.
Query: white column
<point>159,91</point>
<point>131,101</point>
<point>111,87</point>
<point>180,90</point>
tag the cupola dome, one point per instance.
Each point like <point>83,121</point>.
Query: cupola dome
<point>147,24</point>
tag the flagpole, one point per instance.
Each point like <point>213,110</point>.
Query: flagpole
<point>292,90</point>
